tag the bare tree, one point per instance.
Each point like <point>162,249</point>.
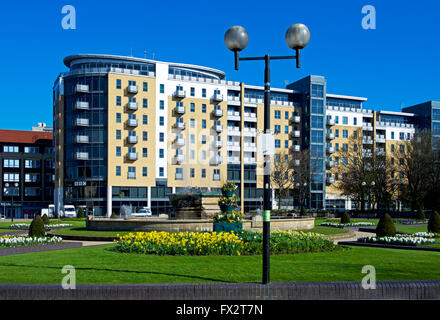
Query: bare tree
<point>281,176</point>
<point>301,164</point>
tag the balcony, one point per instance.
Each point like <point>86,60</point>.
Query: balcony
<point>234,131</point>
<point>330,164</point>
<point>250,160</point>
<point>367,140</point>
<point>132,156</point>
<point>132,139</point>
<point>330,180</point>
<point>330,150</point>
<point>380,139</point>
<point>330,136</point>
<point>131,175</point>
<point>295,147</point>
<point>132,106</point>
<point>180,142</point>
<point>132,89</point>
<point>180,93</point>
<point>218,143</point>
<point>82,88</point>
<point>132,122</point>
<point>367,153</point>
<point>296,162</point>
<point>180,125</point>
<point>218,113</point>
<point>233,159</point>
<point>180,109</point>
<point>295,134</point>
<point>217,97</point>
<point>295,119</point>
<point>250,147</point>
<point>82,122</point>
<point>380,151</point>
<point>233,146</point>
<point>179,158</point>
<point>250,117</point>
<point>218,128</point>
<point>330,122</point>
<point>82,105</point>
<point>82,156</point>
<point>366,126</point>
<point>216,177</point>
<point>216,160</point>
<point>234,115</point>
<point>250,131</point>
<point>82,139</point>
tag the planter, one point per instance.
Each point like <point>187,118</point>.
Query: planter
<point>228,193</point>
<point>227,227</point>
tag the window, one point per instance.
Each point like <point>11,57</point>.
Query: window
<point>144,152</point>
<point>392,135</point>
<point>203,139</point>
<point>193,91</point>
<point>131,172</point>
<point>145,119</point>
<point>118,151</point>
<point>392,147</point>
<point>345,147</point>
<point>11,163</point>
<point>118,100</point>
<point>144,135</point>
<point>192,138</point>
<point>144,170</point>
<point>277,114</point>
<point>144,103</point>
<point>161,153</point>
<point>161,121</point>
<point>336,119</point>
<point>161,105</point>
<point>286,144</point>
<point>192,154</point>
<point>10,148</point>
<point>131,82</point>
<point>402,136</point>
<point>32,192</point>
<point>203,108</point>
<point>355,134</point>
<point>345,133</point>
<point>32,163</point>
<point>179,174</point>
<point>203,93</point>
<point>203,155</point>
<point>203,173</point>
<point>355,147</point>
<point>161,171</point>
<point>193,107</point>
<point>32,177</point>
<point>344,120</point>
<point>118,84</point>
<point>162,88</point>
<point>286,115</point>
<point>355,120</point>
<point>277,143</point>
<point>216,175</point>
<point>277,129</point>
<point>11,177</point>
<point>161,137</point>
<point>31,149</point>
<point>337,133</point>
<point>337,146</point>
<point>192,172</point>
<point>317,106</point>
<point>286,129</point>
<point>145,86</point>
<point>317,91</point>
<point>192,123</point>
<point>402,148</point>
<point>118,118</point>
<point>203,124</point>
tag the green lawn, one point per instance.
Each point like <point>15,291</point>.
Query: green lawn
<point>413,229</point>
<point>100,265</point>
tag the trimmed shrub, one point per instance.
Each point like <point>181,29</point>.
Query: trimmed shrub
<point>434,223</point>
<point>420,214</point>
<point>36,229</point>
<point>45,219</point>
<point>385,227</point>
<point>345,217</point>
<point>80,213</point>
<point>303,212</point>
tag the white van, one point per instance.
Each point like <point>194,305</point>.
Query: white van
<point>51,211</point>
<point>69,211</point>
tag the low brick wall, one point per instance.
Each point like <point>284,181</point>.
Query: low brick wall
<point>191,225</point>
<point>403,290</point>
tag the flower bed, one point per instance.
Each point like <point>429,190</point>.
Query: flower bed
<point>407,240</point>
<point>342,225</point>
<point>12,242</point>
<point>410,221</point>
<point>223,243</point>
<point>25,226</point>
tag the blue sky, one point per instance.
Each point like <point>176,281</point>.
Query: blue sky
<point>395,64</point>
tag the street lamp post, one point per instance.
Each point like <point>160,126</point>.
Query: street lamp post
<point>12,199</point>
<point>236,39</point>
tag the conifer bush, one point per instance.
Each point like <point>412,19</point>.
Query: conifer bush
<point>45,219</point>
<point>385,227</point>
<point>36,229</point>
<point>345,217</point>
<point>434,223</point>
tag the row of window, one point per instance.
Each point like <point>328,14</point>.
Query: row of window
<point>47,150</point>
<point>277,114</point>
<point>131,83</point>
<point>131,173</point>
<point>29,164</point>
<point>29,177</point>
<point>344,120</point>
<point>28,191</point>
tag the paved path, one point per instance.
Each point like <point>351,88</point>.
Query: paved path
<point>90,243</point>
<point>357,234</point>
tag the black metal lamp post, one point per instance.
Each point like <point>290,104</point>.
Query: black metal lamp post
<point>236,39</point>
<point>12,199</point>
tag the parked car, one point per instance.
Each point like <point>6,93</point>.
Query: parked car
<point>69,211</point>
<point>144,212</point>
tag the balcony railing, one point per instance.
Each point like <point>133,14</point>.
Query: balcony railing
<point>330,136</point>
<point>179,158</point>
<point>295,147</point>
<point>216,160</point>
<point>82,122</point>
<point>82,156</point>
<point>180,142</point>
<point>218,112</point>
<point>295,134</point>
<point>218,143</point>
<point>131,175</point>
<point>82,88</point>
<point>330,122</point>
<point>180,125</point>
<point>180,110</point>
<point>82,139</point>
<point>330,180</point>
<point>217,97</point>
<point>132,156</point>
<point>295,119</point>
<point>82,105</point>
<point>218,128</point>
<point>132,122</point>
<point>216,177</point>
<point>180,93</point>
<point>132,89</point>
<point>330,150</point>
<point>132,106</point>
<point>132,139</point>
<point>330,164</point>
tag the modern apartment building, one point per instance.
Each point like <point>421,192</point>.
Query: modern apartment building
<point>27,172</point>
<point>132,131</point>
